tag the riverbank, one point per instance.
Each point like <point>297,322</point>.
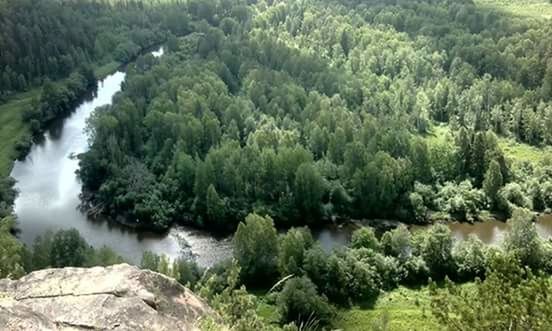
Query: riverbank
<point>14,130</point>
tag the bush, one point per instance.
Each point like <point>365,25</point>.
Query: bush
<point>461,201</point>
<point>523,240</point>
<point>256,249</point>
<point>387,271</point>
<point>292,248</point>
<point>436,250</point>
<point>300,302</point>
<point>68,249</point>
<point>470,257</point>
<point>397,243</point>
<point>512,196</point>
<point>416,270</point>
<point>23,147</point>
<point>365,238</point>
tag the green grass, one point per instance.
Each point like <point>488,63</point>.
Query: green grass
<point>406,309</point>
<point>523,152</point>
<point>12,127</point>
<point>539,9</point>
<point>513,150</point>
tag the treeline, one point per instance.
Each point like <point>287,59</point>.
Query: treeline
<point>50,40</point>
<point>64,248</point>
<point>307,113</point>
<point>307,284</point>
<point>56,100</point>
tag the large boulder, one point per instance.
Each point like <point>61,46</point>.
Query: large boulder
<point>120,297</point>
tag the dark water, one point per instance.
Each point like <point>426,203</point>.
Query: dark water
<point>49,193</point>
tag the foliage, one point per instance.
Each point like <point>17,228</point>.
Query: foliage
<point>185,271</point>
<point>291,250</point>
<point>436,250</point>
<point>462,200</point>
<point>7,196</point>
<point>67,248</point>
<point>300,302</point>
<point>234,304</point>
<point>523,240</point>
<point>493,181</point>
<point>302,117</point>
<point>11,251</point>
<point>58,38</point>
<point>397,243</point>
<point>256,249</point>
<point>365,238</point>
<point>511,297</point>
<point>470,257</point>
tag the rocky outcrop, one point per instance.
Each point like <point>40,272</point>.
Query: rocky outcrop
<point>120,297</point>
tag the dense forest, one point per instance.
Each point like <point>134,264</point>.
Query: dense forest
<point>48,40</point>
<point>316,110</point>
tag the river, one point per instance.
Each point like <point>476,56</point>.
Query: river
<point>493,232</point>
<point>49,192</point>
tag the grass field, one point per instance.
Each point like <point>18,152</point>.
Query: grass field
<point>512,149</point>
<point>12,127</point>
<point>404,308</point>
<point>539,9</point>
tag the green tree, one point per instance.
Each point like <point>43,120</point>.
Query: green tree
<point>523,240</point>
<point>437,250</point>
<point>510,298</point>
<point>477,158</point>
<point>256,249</point>
<point>68,249</point>
<point>397,242</point>
<point>300,302</point>
<point>493,182</point>
<point>470,257</point>
<point>309,189</point>
<point>463,143</point>
<point>365,238</point>
<point>292,248</point>
<point>216,207</point>
<point>11,251</point>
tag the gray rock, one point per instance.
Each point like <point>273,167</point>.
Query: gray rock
<point>120,297</point>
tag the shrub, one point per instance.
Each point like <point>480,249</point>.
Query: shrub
<point>300,302</point>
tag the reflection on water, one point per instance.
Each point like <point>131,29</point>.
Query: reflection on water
<point>334,236</point>
<point>490,232</point>
<point>493,232</point>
